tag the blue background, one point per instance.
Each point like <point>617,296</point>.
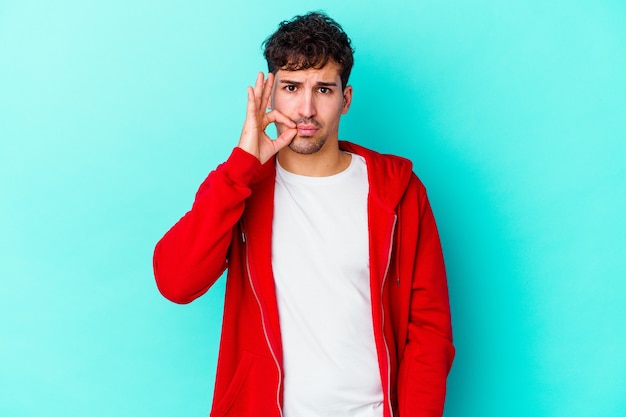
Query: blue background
<point>112,113</point>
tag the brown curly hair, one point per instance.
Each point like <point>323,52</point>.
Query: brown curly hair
<point>309,41</point>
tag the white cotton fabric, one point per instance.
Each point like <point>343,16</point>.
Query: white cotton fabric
<point>320,259</point>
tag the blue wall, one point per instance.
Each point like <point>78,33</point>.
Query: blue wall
<point>112,113</point>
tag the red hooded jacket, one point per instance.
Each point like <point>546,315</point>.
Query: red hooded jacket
<point>230,227</point>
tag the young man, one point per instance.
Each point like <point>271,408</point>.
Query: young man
<point>336,297</point>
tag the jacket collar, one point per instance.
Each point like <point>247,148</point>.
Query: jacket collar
<point>388,175</point>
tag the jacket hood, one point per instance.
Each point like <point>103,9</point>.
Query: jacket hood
<point>388,175</point>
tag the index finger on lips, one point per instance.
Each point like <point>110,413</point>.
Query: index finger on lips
<point>276,116</point>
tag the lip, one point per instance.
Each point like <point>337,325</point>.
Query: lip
<point>306,130</point>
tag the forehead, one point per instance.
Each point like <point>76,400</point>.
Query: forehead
<point>328,73</point>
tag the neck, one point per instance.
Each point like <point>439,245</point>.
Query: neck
<point>329,160</point>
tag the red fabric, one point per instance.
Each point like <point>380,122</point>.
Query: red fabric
<point>230,226</point>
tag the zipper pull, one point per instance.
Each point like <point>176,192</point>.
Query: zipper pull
<point>243,237</point>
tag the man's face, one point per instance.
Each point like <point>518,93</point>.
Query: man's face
<point>314,100</point>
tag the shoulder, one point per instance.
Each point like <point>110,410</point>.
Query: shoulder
<point>386,166</point>
<point>391,177</point>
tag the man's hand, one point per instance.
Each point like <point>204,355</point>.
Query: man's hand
<point>253,138</point>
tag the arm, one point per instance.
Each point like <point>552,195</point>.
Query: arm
<point>429,352</point>
<point>193,253</point>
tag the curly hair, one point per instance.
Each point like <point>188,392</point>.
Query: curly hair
<point>309,41</point>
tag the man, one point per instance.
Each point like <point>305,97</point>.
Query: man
<point>336,297</point>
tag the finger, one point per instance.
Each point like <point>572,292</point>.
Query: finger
<point>251,106</point>
<point>277,117</point>
<point>284,139</point>
<point>258,90</point>
<point>267,90</point>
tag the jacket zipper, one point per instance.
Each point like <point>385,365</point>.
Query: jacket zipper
<point>267,340</point>
<point>280,378</point>
<point>393,229</point>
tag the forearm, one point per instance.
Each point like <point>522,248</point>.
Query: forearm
<point>429,351</point>
<point>193,253</point>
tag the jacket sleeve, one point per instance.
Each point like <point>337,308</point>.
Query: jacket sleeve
<point>429,352</point>
<point>192,255</point>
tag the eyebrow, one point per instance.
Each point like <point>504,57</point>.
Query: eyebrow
<point>318,84</point>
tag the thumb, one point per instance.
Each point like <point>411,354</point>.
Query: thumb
<point>284,139</point>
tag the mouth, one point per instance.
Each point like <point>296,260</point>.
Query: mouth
<point>307,130</point>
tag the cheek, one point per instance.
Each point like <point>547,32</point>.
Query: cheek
<point>281,104</point>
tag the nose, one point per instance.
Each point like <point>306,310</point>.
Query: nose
<point>306,105</point>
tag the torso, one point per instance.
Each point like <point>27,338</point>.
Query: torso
<point>320,260</point>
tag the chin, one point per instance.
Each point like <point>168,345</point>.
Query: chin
<point>307,145</point>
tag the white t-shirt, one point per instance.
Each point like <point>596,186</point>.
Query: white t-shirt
<point>320,259</point>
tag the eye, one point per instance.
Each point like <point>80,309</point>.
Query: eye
<point>290,88</point>
<point>324,90</point>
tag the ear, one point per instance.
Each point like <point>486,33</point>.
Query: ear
<point>347,99</point>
